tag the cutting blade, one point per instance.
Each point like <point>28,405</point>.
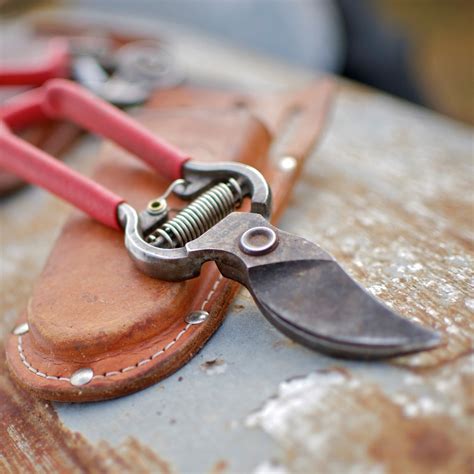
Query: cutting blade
<point>306,294</point>
<point>318,304</point>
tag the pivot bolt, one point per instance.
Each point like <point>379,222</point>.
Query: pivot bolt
<point>258,241</point>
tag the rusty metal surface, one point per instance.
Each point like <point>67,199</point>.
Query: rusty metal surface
<point>389,194</point>
<point>34,440</point>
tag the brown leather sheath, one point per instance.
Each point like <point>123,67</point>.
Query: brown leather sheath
<point>91,308</point>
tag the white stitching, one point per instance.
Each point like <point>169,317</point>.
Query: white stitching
<point>125,369</point>
<point>213,290</point>
<point>31,368</point>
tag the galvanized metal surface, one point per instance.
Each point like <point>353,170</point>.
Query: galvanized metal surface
<point>389,194</point>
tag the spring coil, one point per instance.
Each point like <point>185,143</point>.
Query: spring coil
<point>199,216</point>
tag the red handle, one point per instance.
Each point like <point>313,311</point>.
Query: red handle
<point>64,99</point>
<point>57,64</point>
<point>67,100</point>
<point>24,109</point>
<point>37,167</point>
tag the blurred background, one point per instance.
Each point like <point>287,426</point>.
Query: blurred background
<point>419,50</point>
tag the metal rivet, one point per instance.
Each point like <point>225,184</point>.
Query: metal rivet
<point>196,317</point>
<point>288,163</point>
<point>21,329</point>
<point>157,206</point>
<point>258,241</point>
<point>81,377</point>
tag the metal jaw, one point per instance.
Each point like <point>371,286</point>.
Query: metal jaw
<point>299,287</point>
<point>176,264</point>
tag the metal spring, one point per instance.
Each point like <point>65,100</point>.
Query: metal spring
<point>199,216</point>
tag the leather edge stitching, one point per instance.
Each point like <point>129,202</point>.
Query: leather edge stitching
<point>140,363</point>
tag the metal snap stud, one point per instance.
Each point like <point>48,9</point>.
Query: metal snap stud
<point>258,241</point>
<point>21,329</point>
<point>81,377</point>
<point>196,317</point>
<point>288,163</point>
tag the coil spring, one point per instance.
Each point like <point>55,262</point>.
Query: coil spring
<point>199,216</point>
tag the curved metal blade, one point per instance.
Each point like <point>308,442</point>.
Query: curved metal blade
<point>317,303</point>
<point>304,292</point>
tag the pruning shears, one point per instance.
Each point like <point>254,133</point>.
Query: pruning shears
<point>297,285</point>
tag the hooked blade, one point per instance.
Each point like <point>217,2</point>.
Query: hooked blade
<point>317,303</point>
<point>305,293</point>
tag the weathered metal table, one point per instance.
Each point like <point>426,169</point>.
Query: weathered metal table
<point>389,193</point>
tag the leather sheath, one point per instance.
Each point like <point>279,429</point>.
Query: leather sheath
<point>91,308</point>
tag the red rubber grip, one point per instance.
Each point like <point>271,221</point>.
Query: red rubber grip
<point>23,109</point>
<point>64,99</point>
<point>57,64</point>
<point>36,166</point>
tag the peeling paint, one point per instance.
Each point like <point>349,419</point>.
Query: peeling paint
<point>270,468</point>
<point>214,367</point>
<point>333,422</point>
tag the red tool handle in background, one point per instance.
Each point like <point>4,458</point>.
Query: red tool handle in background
<point>56,64</point>
<point>63,99</point>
